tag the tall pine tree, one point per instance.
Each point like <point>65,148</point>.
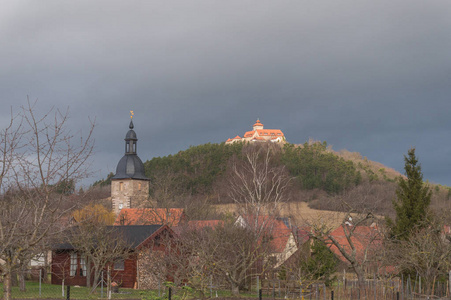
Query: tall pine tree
<point>412,200</point>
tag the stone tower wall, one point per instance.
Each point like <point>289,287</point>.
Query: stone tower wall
<point>131,193</point>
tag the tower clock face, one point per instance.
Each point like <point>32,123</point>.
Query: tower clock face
<point>121,205</point>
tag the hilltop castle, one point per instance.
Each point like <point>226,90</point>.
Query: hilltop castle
<point>258,134</point>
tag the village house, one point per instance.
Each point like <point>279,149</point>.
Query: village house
<point>258,134</point>
<point>69,264</point>
<point>279,232</point>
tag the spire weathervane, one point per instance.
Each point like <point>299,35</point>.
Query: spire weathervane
<point>131,114</point>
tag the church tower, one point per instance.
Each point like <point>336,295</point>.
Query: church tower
<point>130,186</point>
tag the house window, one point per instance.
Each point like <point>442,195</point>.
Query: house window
<point>77,264</point>
<point>83,266</point>
<point>73,264</point>
<point>119,265</point>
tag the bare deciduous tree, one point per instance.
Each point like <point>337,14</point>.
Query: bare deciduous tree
<point>39,155</point>
<point>100,245</point>
<point>238,254</point>
<point>258,186</point>
<point>427,252</point>
<point>354,240</point>
<point>186,259</point>
<point>228,253</point>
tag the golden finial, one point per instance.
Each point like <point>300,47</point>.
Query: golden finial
<point>131,114</point>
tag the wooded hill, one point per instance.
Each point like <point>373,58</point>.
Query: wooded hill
<point>322,177</point>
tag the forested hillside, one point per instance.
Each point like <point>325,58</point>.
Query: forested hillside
<point>203,169</point>
<point>320,176</point>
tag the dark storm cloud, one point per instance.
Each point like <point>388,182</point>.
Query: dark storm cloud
<point>371,77</point>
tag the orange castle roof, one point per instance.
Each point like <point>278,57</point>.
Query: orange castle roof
<point>249,133</point>
<point>258,123</point>
<point>264,132</point>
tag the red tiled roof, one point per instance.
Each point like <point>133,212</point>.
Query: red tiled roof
<point>302,235</point>
<point>278,231</point>
<point>150,216</point>
<point>364,239</point>
<point>281,234</point>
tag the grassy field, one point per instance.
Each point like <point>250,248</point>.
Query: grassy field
<point>50,291</point>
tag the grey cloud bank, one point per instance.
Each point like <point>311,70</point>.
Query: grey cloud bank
<point>372,77</point>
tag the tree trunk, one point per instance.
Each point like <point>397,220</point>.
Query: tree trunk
<point>22,279</point>
<point>44,270</point>
<point>234,283</point>
<point>235,289</point>
<point>7,286</point>
<point>88,272</point>
<point>360,278</point>
<point>96,274</point>
<point>14,281</point>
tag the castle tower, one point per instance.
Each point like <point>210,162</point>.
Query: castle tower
<point>258,125</point>
<point>130,186</point>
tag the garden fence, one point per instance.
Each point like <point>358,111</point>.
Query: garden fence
<point>38,287</point>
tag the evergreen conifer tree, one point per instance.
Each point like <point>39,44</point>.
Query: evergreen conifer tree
<point>322,263</point>
<point>412,200</point>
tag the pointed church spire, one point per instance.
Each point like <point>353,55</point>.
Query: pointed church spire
<point>130,166</point>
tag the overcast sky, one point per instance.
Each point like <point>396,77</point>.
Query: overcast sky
<point>366,76</point>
